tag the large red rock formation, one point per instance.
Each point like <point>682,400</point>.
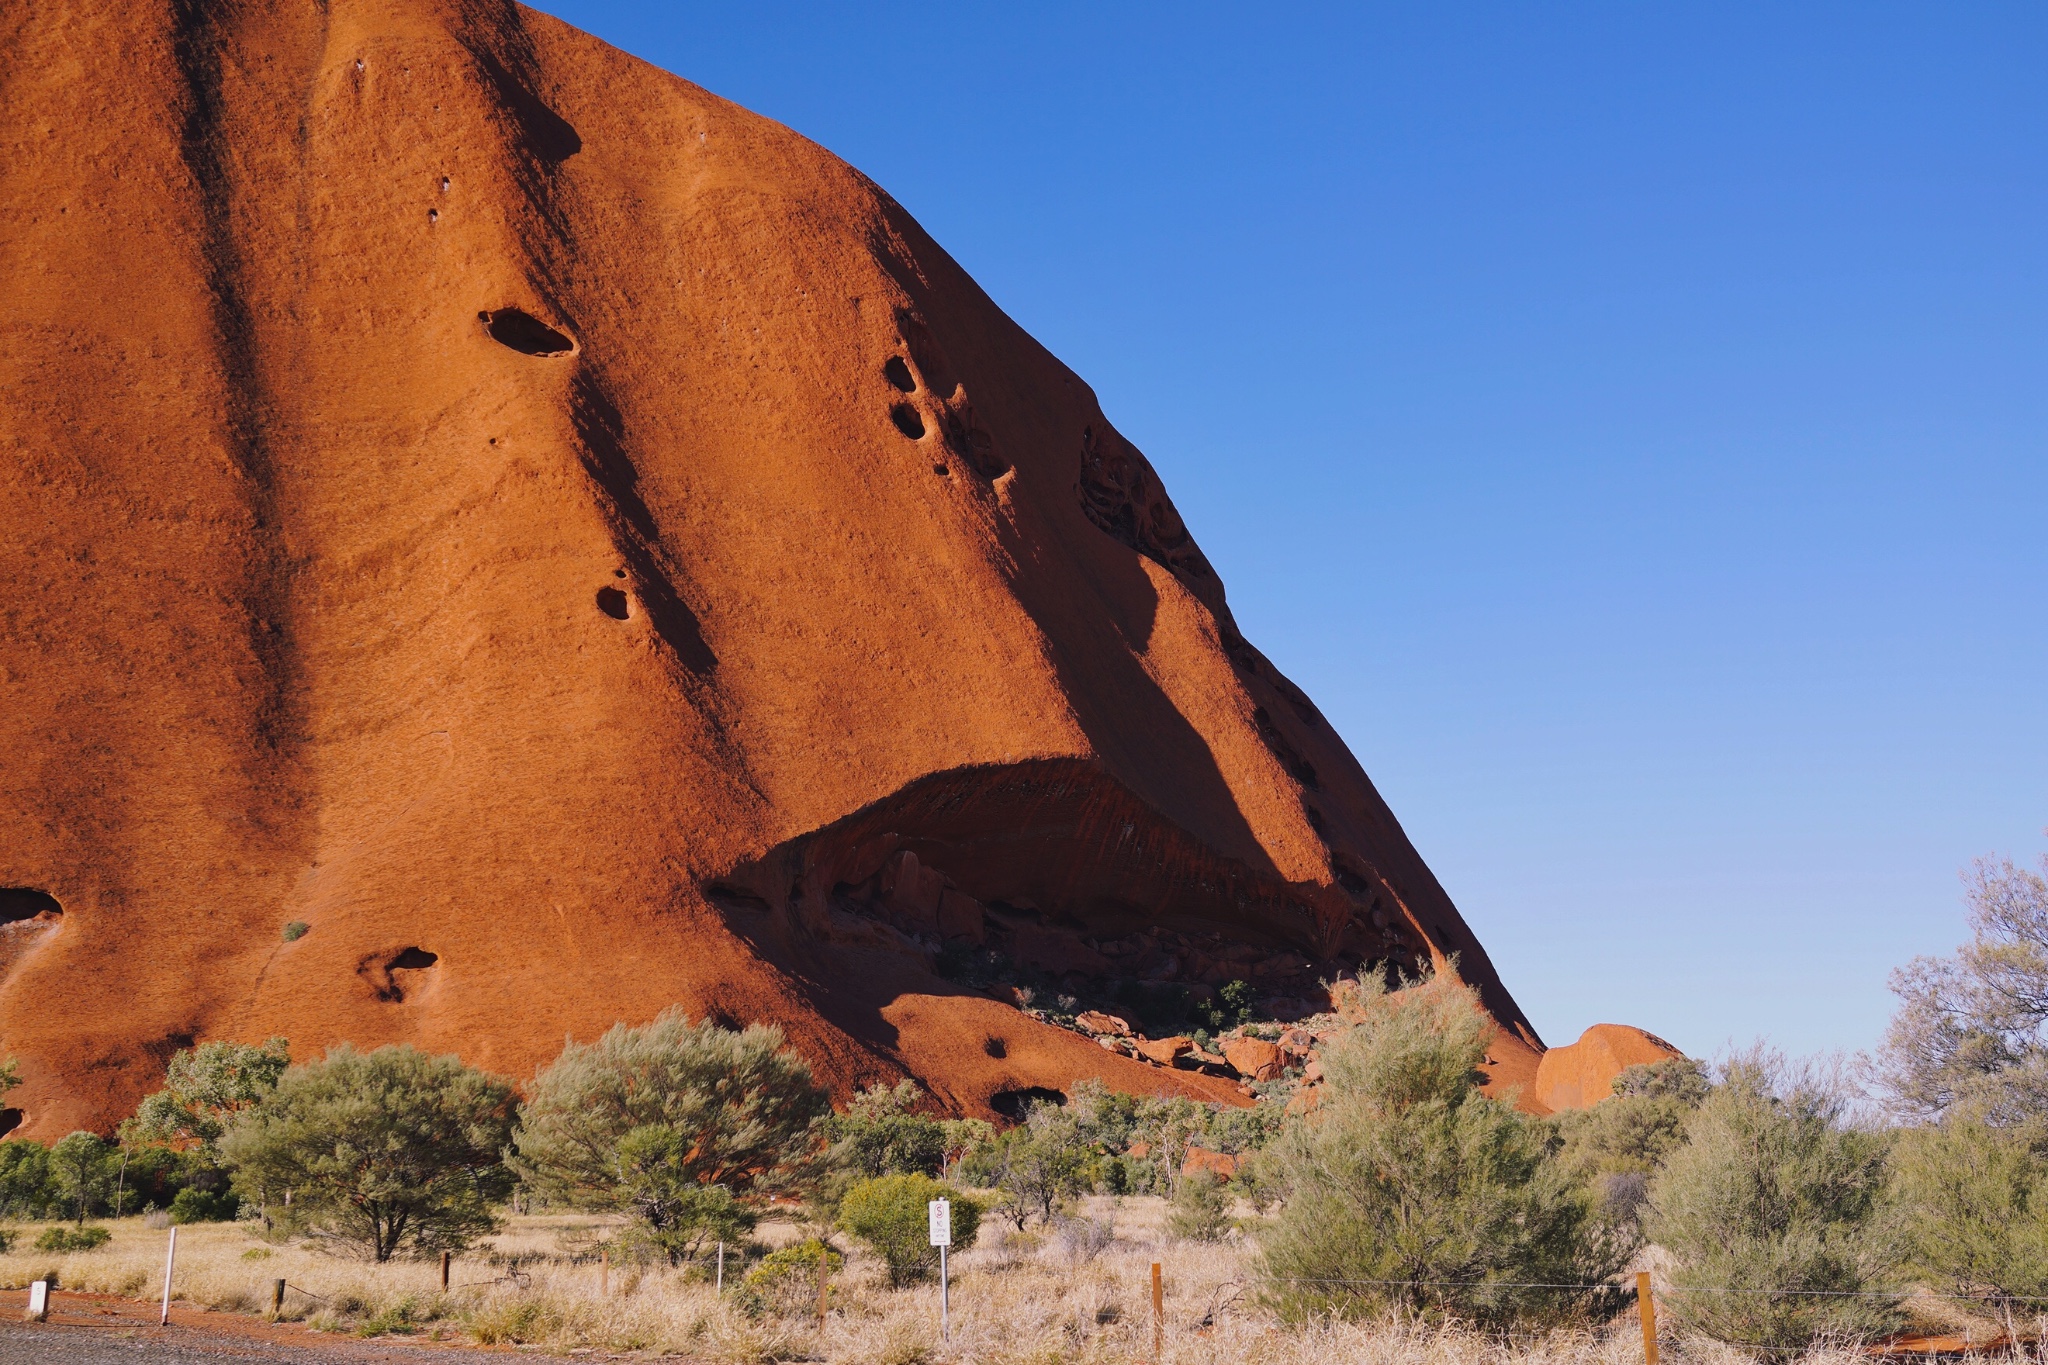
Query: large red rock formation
<point>576,546</point>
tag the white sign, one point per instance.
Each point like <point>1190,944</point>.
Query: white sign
<point>38,1300</point>
<point>941,1212</point>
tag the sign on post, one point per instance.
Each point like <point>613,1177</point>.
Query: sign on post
<point>940,1211</point>
<point>38,1300</point>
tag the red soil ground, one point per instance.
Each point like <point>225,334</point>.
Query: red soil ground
<point>565,539</point>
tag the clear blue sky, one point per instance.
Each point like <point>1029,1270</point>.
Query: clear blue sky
<point>1629,422</point>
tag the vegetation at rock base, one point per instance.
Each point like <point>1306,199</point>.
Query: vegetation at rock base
<point>1412,1190</point>
<point>688,1127</point>
<point>889,1214</point>
<point>387,1152</point>
<point>1972,1202</point>
<point>1770,1211</point>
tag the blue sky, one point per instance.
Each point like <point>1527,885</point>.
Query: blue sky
<point>1629,422</point>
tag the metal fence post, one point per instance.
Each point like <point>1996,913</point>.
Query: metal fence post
<point>1158,1317</point>
<point>1646,1309</point>
<point>170,1263</point>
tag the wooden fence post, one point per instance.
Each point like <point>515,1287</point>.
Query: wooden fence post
<point>1158,1317</point>
<point>445,1257</point>
<point>1646,1308</point>
<point>277,1298</point>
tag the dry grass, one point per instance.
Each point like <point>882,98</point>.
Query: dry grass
<point>1028,1301</point>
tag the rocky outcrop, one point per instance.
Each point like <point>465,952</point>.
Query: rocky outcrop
<point>576,547</point>
<point>1582,1073</point>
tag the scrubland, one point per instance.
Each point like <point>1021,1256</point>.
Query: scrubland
<point>1041,1299</point>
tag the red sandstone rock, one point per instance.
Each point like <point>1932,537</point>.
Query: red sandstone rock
<point>1201,1159</point>
<point>1305,1100</point>
<point>1094,1021</point>
<point>960,917</point>
<point>1164,1051</point>
<point>1582,1074</point>
<point>1255,1058</point>
<point>511,510</point>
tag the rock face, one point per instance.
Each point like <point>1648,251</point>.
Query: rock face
<point>1582,1074</point>
<point>577,547</point>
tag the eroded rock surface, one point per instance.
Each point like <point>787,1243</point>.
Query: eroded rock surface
<point>576,547</point>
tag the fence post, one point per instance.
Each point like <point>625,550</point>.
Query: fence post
<point>824,1259</point>
<point>719,1288</point>
<point>38,1300</point>
<point>445,1257</point>
<point>1646,1308</point>
<point>1158,1316</point>
<point>170,1263</point>
<point>277,1298</point>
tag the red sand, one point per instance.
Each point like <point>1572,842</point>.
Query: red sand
<point>563,538</point>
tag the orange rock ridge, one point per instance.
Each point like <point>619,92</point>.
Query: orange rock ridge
<point>576,547</point>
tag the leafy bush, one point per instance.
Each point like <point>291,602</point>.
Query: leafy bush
<point>889,1213</point>
<point>85,1169</point>
<point>384,1151</point>
<point>1770,1213</point>
<point>1200,1208</point>
<point>296,930</point>
<point>1039,1165</point>
<point>686,1126</point>
<point>1408,1173</point>
<point>28,1187</point>
<point>203,1091</point>
<point>1973,1204</point>
<point>786,1281</point>
<point>1613,1148</point>
<point>881,1134</point>
<point>195,1205</point>
<point>90,1238</point>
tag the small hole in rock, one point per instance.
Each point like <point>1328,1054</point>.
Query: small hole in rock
<point>444,184</point>
<point>613,603</point>
<point>10,1119</point>
<point>995,1047</point>
<point>18,903</point>
<point>494,440</point>
<point>618,573</point>
<point>898,373</point>
<point>907,421</point>
<point>1015,1104</point>
<point>525,333</point>
<point>433,215</point>
<point>412,959</point>
<point>941,470</point>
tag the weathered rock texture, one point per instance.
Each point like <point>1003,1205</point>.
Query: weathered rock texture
<point>1582,1074</point>
<point>577,547</point>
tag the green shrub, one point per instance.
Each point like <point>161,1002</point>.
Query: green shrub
<point>194,1205</point>
<point>881,1134</point>
<point>1612,1148</point>
<point>1200,1208</point>
<point>688,1127</point>
<point>889,1214</point>
<point>386,1151</point>
<point>28,1187</point>
<point>89,1238</point>
<point>1972,1200</point>
<point>296,930</point>
<point>785,1283</point>
<point>1770,1214</point>
<point>1408,1173</point>
<point>85,1166</point>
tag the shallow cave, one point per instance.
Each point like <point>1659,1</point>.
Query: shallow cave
<point>18,903</point>
<point>525,333</point>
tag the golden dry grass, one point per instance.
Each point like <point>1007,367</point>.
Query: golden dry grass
<point>1015,1301</point>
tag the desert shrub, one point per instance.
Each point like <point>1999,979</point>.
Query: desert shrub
<point>1409,1174</point>
<point>204,1089</point>
<point>1083,1239</point>
<point>85,1167</point>
<point>28,1187</point>
<point>90,1238</point>
<point>384,1152</point>
<point>1972,1202</point>
<point>688,1127</point>
<point>1039,1165</point>
<point>1200,1208</point>
<point>785,1283</point>
<point>194,1205</point>
<point>1972,1029</point>
<point>889,1214</point>
<point>882,1134</point>
<point>1770,1213</point>
<point>1612,1148</point>
<point>296,930</point>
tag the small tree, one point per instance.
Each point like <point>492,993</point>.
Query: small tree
<point>84,1169</point>
<point>1038,1165</point>
<point>203,1092</point>
<point>28,1186</point>
<point>1770,1213</point>
<point>1973,1205</point>
<point>1410,1189</point>
<point>881,1133</point>
<point>890,1214</point>
<point>686,1126</point>
<point>1200,1208</point>
<point>1970,1028</point>
<point>386,1152</point>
